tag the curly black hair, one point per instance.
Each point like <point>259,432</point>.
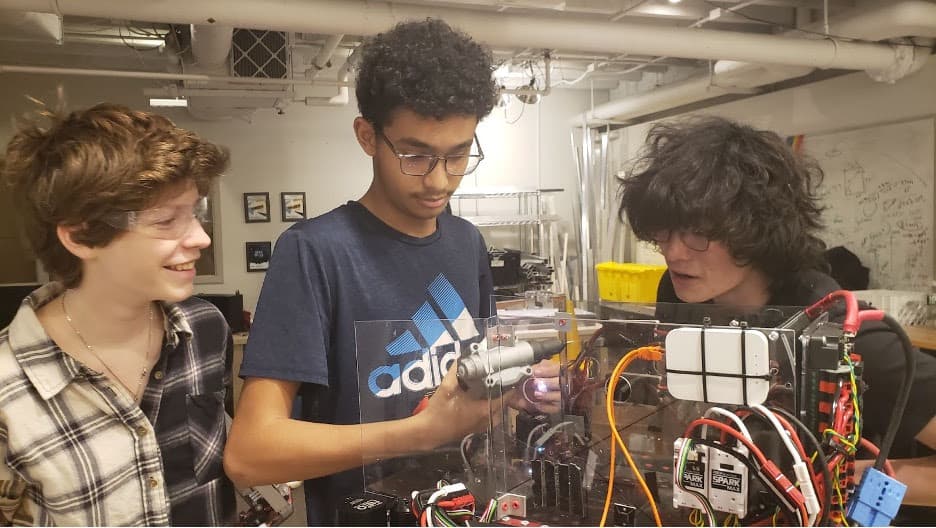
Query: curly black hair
<point>733,183</point>
<point>427,67</point>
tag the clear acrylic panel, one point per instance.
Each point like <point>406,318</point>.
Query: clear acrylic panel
<point>554,468</point>
<point>399,364</point>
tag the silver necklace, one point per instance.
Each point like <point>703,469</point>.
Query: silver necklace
<point>136,394</point>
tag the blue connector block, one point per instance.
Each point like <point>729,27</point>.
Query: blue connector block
<point>877,499</point>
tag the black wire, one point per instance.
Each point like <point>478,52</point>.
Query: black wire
<point>128,44</point>
<point>821,461</point>
<point>588,350</point>
<point>766,421</point>
<point>904,395</point>
<point>514,121</point>
<point>178,44</point>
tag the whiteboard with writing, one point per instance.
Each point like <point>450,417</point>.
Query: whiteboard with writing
<point>878,193</point>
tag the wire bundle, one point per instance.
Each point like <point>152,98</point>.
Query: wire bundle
<point>445,505</point>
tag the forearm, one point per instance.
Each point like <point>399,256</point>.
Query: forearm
<point>285,449</point>
<point>266,446</point>
<point>918,474</point>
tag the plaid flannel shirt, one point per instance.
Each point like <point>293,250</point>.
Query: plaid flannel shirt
<point>76,451</point>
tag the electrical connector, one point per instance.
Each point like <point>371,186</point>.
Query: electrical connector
<point>877,499</point>
<point>448,492</point>
<point>784,483</point>
<point>693,479</point>
<point>809,492</point>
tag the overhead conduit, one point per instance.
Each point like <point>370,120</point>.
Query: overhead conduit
<point>747,53</point>
<point>496,29</point>
<point>324,56</point>
<point>908,18</point>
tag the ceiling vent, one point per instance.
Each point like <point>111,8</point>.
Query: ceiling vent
<point>258,53</point>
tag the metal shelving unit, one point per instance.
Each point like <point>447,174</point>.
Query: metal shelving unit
<point>520,209</point>
<point>492,221</point>
<point>527,211</point>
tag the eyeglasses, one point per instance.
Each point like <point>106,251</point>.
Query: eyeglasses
<point>423,164</point>
<point>691,239</point>
<point>166,223</point>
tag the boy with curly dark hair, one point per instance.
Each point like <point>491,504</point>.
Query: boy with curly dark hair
<point>734,212</point>
<point>422,88</point>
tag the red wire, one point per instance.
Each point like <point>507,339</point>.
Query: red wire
<point>873,449</point>
<point>851,322</point>
<point>835,460</point>
<point>870,315</point>
<point>795,437</point>
<point>698,422</point>
<point>818,483</point>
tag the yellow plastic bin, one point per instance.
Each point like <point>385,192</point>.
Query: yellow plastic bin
<point>628,282</point>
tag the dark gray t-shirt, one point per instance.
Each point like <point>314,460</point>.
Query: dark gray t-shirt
<point>328,272</point>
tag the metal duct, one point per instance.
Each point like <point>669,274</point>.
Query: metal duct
<point>211,45</point>
<point>496,29</point>
<point>880,22</point>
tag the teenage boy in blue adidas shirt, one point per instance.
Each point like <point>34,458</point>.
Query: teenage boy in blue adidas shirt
<point>421,88</point>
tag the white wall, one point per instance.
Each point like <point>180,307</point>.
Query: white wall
<point>849,101</point>
<point>313,149</point>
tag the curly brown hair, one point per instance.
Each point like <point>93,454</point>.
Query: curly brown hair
<point>87,166</point>
<point>427,67</point>
<point>733,183</point>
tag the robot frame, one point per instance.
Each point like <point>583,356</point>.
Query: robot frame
<point>716,425</point>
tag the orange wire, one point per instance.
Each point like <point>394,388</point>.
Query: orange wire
<point>607,504</point>
<point>652,353</point>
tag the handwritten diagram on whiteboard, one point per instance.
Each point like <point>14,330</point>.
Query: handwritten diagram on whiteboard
<point>878,193</point>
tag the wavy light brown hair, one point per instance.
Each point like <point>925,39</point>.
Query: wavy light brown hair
<point>86,166</point>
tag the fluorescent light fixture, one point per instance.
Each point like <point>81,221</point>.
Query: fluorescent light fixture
<point>675,1</point>
<point>169,102</point>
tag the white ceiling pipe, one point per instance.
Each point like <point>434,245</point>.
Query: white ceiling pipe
<point>84,72</point>
<point>343,96</point>
<point>908,18</point>
<point>727,76</point>
<point>322,58</point>
<point>858,24</point>
<point>496,29</point>
<point>116,40</point>
<point>202,92</point>
<point>211,45</point>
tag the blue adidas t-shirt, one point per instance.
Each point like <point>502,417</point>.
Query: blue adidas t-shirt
<point>328,272</point>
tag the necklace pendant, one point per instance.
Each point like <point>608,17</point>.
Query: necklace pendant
<point>144,373</point>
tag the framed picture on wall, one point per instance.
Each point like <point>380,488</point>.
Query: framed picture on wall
<point>256,207</point>
<point>258,255</point>
<point>293,206</point>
